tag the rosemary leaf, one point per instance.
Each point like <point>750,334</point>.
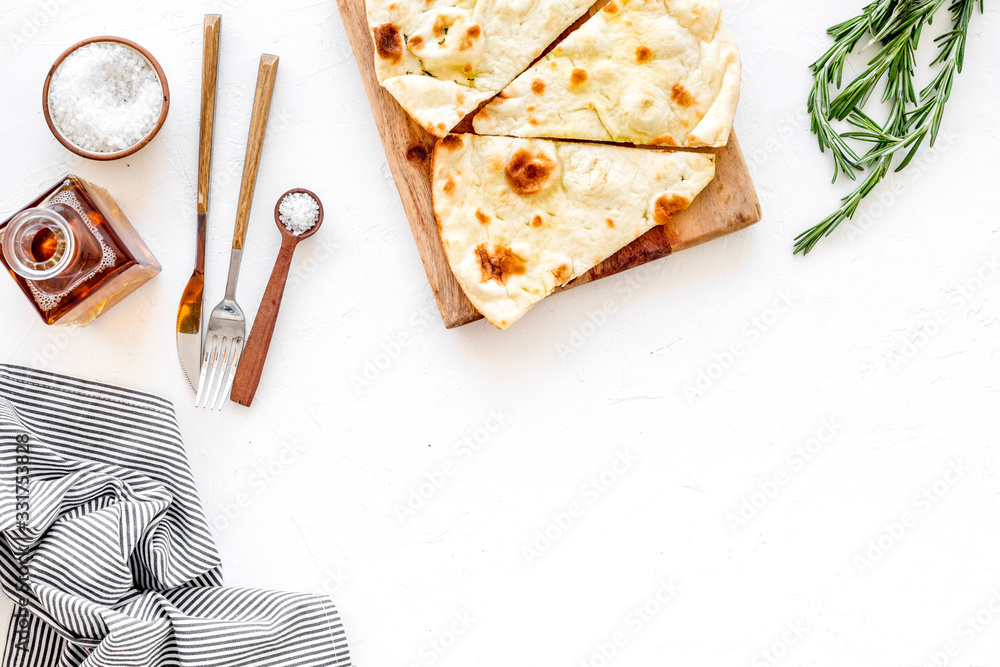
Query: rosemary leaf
<point>895,28</point>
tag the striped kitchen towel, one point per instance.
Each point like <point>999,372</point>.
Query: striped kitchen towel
<point>106,551</point>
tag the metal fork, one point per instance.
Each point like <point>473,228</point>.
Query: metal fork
<point>227,324</point>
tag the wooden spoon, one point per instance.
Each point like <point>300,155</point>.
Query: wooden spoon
<point>255,352</point>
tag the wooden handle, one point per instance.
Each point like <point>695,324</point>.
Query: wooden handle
<point>258,124</point>
<point>255,351</point>
<point>209,79</point>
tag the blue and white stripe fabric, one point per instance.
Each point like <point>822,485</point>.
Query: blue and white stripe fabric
<point>106,550</point>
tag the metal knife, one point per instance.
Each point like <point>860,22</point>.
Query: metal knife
<point>189,315</point>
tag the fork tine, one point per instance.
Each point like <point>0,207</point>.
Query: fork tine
<point>234,360</point>
<point>213,375</point>
<point>218,372</point>
<point>208,361</point>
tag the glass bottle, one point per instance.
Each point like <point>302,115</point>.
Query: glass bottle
<point>73,253</point>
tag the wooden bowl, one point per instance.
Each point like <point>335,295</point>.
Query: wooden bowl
<point>134,147</point>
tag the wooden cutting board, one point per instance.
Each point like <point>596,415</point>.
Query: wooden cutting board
<point>727,205</point>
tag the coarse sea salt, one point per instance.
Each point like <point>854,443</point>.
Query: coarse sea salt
<point>105,97</point>
<point>298,212</point>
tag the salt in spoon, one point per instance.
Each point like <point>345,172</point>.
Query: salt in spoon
<point>255,350</point>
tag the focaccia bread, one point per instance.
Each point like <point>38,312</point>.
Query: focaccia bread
<point>441,59</point>
<point>520,217</point>
<point>655,72</point>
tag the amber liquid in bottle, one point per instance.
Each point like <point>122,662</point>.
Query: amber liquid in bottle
<point>105,267</point>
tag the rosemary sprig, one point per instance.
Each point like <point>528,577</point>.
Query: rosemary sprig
<point>895,27</point>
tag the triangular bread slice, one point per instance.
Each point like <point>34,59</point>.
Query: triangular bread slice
<point>520,217</point>
<point>441,59</point>
<point>654,72</point>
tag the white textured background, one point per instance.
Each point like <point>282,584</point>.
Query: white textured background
<point>867,547</point>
